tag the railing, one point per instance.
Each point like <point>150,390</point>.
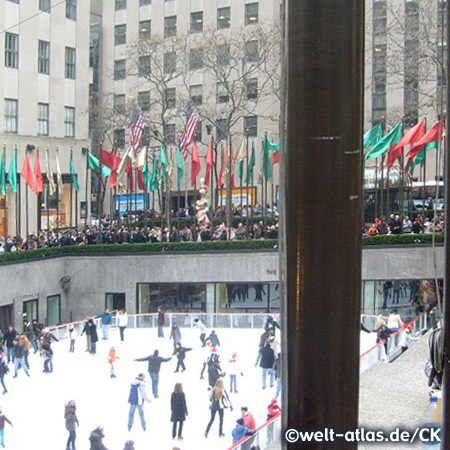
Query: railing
<point>264,436</point>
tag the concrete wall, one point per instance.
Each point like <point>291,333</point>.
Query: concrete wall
<point>92,277</point>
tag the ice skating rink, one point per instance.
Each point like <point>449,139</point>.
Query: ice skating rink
<point>35,405</point>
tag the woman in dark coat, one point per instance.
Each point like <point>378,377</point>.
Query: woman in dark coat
<point>179,410</point>
<point>96,438</point>
<point>94,336</point>
<point>71,423</point>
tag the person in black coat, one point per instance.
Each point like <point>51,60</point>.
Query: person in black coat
<point>96,439</point>
<point>4,369</point>
<point>179,410</point>
<point>267,360</point>
<point>271,323</point>
<point>214,339</point>
<point>214,373</point>
<point>154,364</point>
<point>180,352</point>
<point>10,335</point>
<point>94,336</point>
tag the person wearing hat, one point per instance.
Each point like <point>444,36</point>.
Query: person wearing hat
<point>406,338</point>
<point>233,371</point>
<point>214,373</point>
<point>96,439</point>
<point>240,431</point>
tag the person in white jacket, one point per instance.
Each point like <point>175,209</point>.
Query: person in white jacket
<point>202,328</point>
<point>72,335</point>
<point>233,370</point>
<point>394,323</point>
<point>122,322</point>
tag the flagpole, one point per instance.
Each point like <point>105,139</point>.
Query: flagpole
<point>86,186</point>
<point>424,174</point>
<point>71,193</point>
<point>246,185</point>
<point>376,187</point>
<point>18,205</point>
<point>47,197</point>
<point>26,201</point>
<point>382,187</point>
<point>38,199</point>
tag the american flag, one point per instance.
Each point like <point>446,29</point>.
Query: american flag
<point>188,134</point>
<point>136,132</point>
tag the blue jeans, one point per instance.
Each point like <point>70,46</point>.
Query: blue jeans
<point>34,345</point>
<point>9,354</point>
<point>233,383</point>
<point>2,437</point>
<point>94,348</point>
<point>131,415</point>
<point>155,381</point>
<point>160,331</point>
<point>20,362</point>
<point>105,330</point>
<point>264,375</point>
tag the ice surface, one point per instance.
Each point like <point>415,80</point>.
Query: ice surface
<point>35,405</point>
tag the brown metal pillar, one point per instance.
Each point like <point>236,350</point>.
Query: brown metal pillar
<point>323,217</point>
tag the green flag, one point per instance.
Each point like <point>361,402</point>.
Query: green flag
<point>420,158</point>
<point>241,170</point>
<point>267,165</point>
<point>146,177</point>
<point>383,145</point>
<point>372,137</point>
<point>154,180</point>
<point>94,163</point>
<point>73,173</point>
<point>12,174</point>
<point>251,165</point>
<point>180,166</point>
<point>163,167</point>
<point>3,174</point>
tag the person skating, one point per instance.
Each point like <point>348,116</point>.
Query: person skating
<point>214,373</point>
<point>175,334</point>
<point>23,340</point>
<point>4,369</point>
<point>136,399</point>
<point>202,328</point>
<point>233,371</point>
<point>219,400</point>
<point>111,360</point>
<point>10,335</point>
<point>87,330</point>
<point>72,335</point>
<point>267,360</point>
<point>129,445</point>
<point>122,321</point>
<point>211,359</point>
<point>214,339</point>
<point>179,410</point>
<point>37,333</point>
<point>46,345</point>
<point>154,365</point>
<point>3,419</point>
<point>180,353</point>
<point>92,329</point>
<point>106,323</point>
<point>161,322</point>
<point>96,439</point>
<point>19,358</point>
<point>70,416</point>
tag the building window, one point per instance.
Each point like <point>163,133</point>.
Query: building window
<point>251,13</point>
<point>221,129</point>
<point>170,26</point>
<point>222,95</point>
<point>71,9</point>
<point>119,138</point>
<point>198,132</point>
<point>170,62</point>
<point>145,2</point>
<point>53,310</point>
<point>223,18</point>
<point>171,97</point>
<point>70,63</point>
<point>10,115</point>
<point>11,50</point>
<point>379,101</point>
<point>195,93</point>
<point>119,69</point>
<point>69,121</point>
<point>44,57</point>
<point>120,4</point>
<point>144,66</point>
<point>251,126</point>
<point>120,34</point>
<point>170,133</point>
<point>45,5</point>
<point>223,55</point>
<point>251,89</point>
<point>43,119</point>
<point>144,101</point>
<point>119,103</point>
<point>196,59</point>
<point>145,28</point>
<point>197,22</point>
<point>251,51</point>
<point>14,1</point>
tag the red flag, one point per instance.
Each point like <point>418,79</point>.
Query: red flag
<point>27,173</point>
<point>109,159</point>
<point>413,135</point>
<point>195,166</point>
<point>209,164</point>
<point>276,157</point>
<point>222,168</point>
<point>39,186</point>
<point>141,184</point>
<point>233,184</point>
<point>129,171</point>
<point>434,134</point>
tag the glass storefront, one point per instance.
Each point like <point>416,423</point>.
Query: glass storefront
<point>208,297</point>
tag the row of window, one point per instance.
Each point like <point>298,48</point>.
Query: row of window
<point>11,115</point>
<point>250,129</point>
<point>43,61</point>
<point>46,6</point>
<point>196,23</point>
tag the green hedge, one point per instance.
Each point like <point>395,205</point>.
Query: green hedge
<point>106,249</point>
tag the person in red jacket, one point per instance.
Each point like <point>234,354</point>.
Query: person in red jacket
<point>249,420</point>
<point>273,409</point>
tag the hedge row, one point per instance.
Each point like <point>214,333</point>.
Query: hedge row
<point>105,249</point>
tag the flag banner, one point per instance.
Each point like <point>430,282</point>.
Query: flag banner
<point>412,136</point>
<point>180,167</point>
<point>39,184</point>
<point>383,145</point>
<point>49,173</point>
<point>164,167</point>
<point>27,173</point>
<point>109,160</point>
<point>12,174</point>
<point>74,174</point>
<point>189,132</point>
<point>240,154</point>
<point>241,171</point>
<point>59,179</point>
<point>93,162</point>
<point>125,161</point>
<point>136,132</point>
<point>251,165</point>
<point>266,163</point>
<point>222,169</point>
<point>154,184</point>
<point>434,134</point>
<point>372,137</point>
<point>129,172</point>
<point>3,174</point>
<point>209,164</point>
<point>195,166</point>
